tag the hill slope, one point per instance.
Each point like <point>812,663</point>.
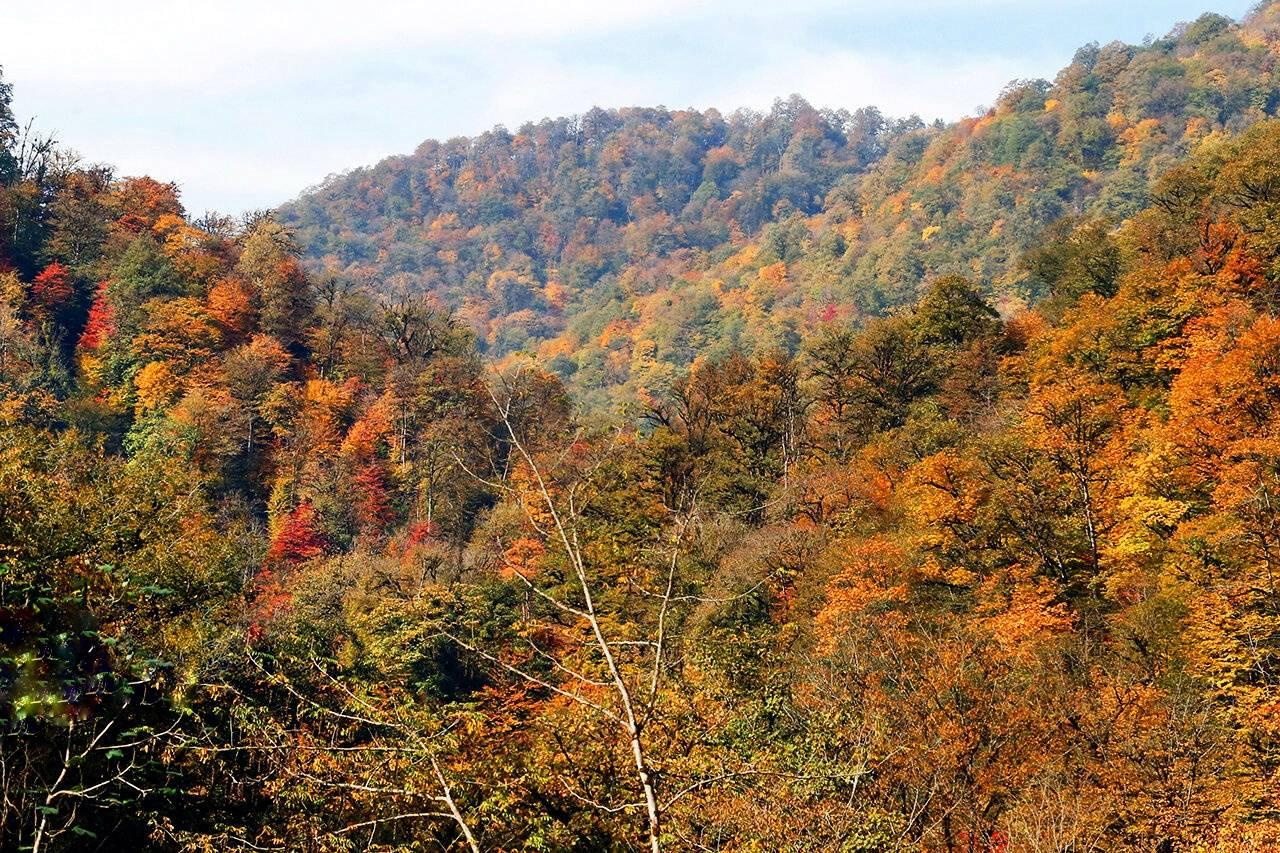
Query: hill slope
<point>285,564</point>
<point>620,244</point>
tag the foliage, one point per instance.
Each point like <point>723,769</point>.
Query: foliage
<point>621,244</point>
<point>286,563</point>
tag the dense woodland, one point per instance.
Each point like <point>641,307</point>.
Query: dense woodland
<point>620,245</point>
<point>941,510</point>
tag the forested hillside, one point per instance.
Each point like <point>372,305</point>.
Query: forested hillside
<point>619,245</point>
<point>289,561</point>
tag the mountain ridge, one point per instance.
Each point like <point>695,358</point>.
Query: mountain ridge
<point>567,238</point>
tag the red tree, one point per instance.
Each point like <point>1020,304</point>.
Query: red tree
<point>52,287</point>
<point>373,505</point>
<point>299,539</point>
<point>101,323</point>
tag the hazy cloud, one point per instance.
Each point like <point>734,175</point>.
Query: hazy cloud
<point>245,103</point>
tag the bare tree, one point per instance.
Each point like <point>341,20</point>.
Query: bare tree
<point>407,737</point>
<point>52,774</point>
<point>634,692</point>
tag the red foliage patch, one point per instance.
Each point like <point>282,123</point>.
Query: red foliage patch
<point>299,539</point>
<point>102,320</point>
<point>52,287</point>
<point>373,504</point>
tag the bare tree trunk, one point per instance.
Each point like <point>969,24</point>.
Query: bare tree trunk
<point>447,796</point>
<point>567,533</point>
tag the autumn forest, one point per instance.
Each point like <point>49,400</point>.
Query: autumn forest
<point>648,479</point>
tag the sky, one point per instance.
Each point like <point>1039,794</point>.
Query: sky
<point>246,103</point>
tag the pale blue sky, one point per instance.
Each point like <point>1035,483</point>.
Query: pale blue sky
<point>247,102</point>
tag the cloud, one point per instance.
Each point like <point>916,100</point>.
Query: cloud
<point>161,43</point>
<point>166,44</point>
<point>246,102</point>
